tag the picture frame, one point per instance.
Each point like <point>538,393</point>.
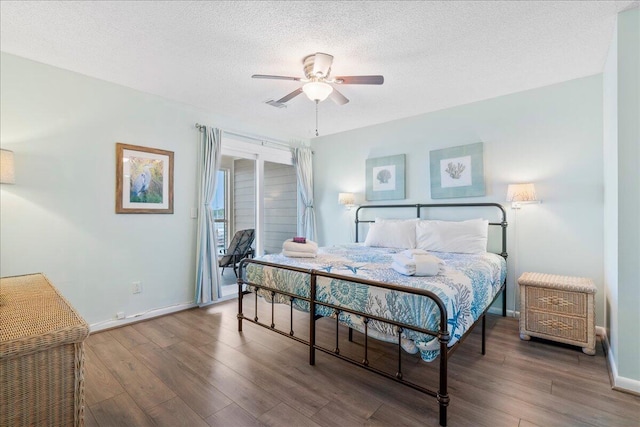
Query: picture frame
<point>457,171</point>
<point>144,180</point>
<point>385,178</point>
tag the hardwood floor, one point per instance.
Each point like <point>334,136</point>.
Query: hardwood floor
<point>194,368</point>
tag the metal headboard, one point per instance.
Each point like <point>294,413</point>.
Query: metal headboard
<point>420,206</point>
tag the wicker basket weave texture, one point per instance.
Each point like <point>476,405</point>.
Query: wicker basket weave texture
<point>41,355</point>
<point>554,281</point>
<point>559,308</point>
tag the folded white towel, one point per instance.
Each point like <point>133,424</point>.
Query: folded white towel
<point>422,264</point>
<point>403,261</point>
<point>410,253</point>
<point>402,269</point>
<point>428,265</point>
<point>309,247</point>
<point>295,254</point>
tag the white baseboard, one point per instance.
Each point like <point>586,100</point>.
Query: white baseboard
<point>618,382</point>
<point>150,314</point>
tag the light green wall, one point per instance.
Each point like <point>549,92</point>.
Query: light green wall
<point>551,136</point>
<point>610,161</point>
<point>628,356</point>
<point>59,218</point>
<point>621,89</point>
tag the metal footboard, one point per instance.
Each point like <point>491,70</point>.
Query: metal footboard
<point>441,394</point>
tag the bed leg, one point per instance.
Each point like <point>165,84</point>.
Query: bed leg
<point>399,373</point>
<point>443,415</point>
<point>350,334</point>
<point>273,314</point>
<point>312,321</point>
<point>443,402</point>
<point>240,315</point>
<point>312,345</point>
<point>443,395</point>
<point>484,333</point>
<point>504,301</point>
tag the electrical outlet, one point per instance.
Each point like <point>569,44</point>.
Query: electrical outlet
<point>136,287</point>
<point>120,315</point>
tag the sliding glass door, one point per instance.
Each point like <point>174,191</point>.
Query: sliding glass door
<point>261,194</point>
<point>278,202</point>
<point>244,194</point>
<point>280,205</point>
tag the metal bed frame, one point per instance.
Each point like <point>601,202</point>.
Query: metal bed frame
<point>441,394</point>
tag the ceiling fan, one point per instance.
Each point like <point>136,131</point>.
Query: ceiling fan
<point>317,81</point>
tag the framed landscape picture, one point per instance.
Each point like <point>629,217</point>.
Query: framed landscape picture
<point>457,172</point>
<point>385,178</point>
<point>144,180</point>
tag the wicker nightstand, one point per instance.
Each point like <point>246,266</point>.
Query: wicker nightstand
<point>41,355</point>
<point>558,308</point>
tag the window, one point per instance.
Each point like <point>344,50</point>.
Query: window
<point>220,209</point>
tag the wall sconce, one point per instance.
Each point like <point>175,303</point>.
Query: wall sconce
<point>519,194</point>
<point>7,170</point>
<point>347,199</point>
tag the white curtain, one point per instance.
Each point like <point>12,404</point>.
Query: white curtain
<point>207,277</point>
<point>303,162</point>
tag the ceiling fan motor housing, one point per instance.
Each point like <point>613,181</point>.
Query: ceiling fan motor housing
<point>316,64</point>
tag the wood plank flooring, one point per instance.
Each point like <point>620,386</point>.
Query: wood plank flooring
<point>194,368</point>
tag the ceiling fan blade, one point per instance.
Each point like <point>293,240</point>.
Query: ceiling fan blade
<point>360,80</point>
<point>337,97</point>
<point>289,96</point>
<point>266,76</point>
<point>322,64</point>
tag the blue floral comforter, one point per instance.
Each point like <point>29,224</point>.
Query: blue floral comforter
<point>468,285</point>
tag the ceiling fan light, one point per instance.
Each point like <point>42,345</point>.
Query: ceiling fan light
<point>317,91</point>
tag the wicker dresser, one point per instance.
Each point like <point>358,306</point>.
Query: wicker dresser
<point>558,308</point>
<point>41,355</point>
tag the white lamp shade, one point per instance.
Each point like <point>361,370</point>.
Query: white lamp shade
<point>317,91</point>
<point>7,170</point>
<point>346,198</point>
<point>521,193</point>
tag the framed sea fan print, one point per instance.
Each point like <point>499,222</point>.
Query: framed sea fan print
<point>457,172</point>
<point>385,178</point>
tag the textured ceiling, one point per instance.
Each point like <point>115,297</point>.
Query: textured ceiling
<point>433,55</point>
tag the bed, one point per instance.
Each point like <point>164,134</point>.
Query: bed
<point>355,285</point>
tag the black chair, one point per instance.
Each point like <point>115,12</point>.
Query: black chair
<point>239,248</point>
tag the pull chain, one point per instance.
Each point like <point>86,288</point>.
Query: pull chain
<point>317,117</point>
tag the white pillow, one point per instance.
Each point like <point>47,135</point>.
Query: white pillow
<point>392,234</point>
<point>466,237</point>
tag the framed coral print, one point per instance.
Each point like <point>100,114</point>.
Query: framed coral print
<point>144,180</point>
<point>457,172</point>
<point>385,178</point>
